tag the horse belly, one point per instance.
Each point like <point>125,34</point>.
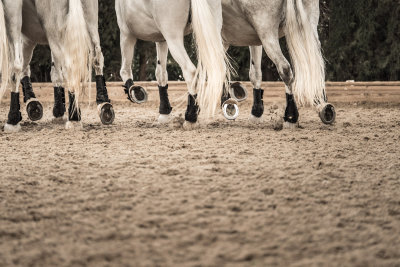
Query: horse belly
<point>31,26</point>
<point>237,30</point>
<point>240,34</point>
<point>147,31</point>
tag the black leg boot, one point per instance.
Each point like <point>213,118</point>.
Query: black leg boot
<point>165,105</point>
<point>27,89</point>
<point>192,110</point>
<point>74,112</point>
<point>258,103</point>
<point>291,112</point>
<point>102,94</point>
<point>34,108</point>
<point>105,108</point>
<point>59,102</point>
<point>14,115</point>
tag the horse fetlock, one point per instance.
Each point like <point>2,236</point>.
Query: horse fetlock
<point>192,110</point>
<point>74,112</point>
<point>14,116</point>
<point>258,103</point>
<point>59,102</point>
<point>291,112</point>
<point>27,89</point>
<point>165,105</point>
<point>101,88</point>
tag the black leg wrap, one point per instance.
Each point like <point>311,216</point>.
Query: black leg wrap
<point>258,103</point>
<point>165,106</point>
<point>129,83</point>
<point>291,112</point>
<point>59,102</point>
<point>14,116</point>
<point>27,89</point>
<point>74,113</point>
<point>192,110</point>
<point>102,94</point>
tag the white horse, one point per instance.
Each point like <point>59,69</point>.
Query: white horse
<point>263,22</point>
<point>71,30</point>
<point>259,23</point>
<point>166,23</point>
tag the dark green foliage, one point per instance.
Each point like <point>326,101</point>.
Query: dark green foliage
<point>360,38</point>
<point>363,40</point>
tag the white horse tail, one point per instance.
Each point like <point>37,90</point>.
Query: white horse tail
<point>77,45</point>
<point>4,53</point>
<point>213,65</point>
<point>305,52</point>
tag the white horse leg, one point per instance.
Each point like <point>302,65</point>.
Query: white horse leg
<point>162,79</point>
<point>34,108</point>
<point>128,43</point>
<point>180,55</point>
<point>59,91</point>
<point>255,75</point>
<point>14,115</point>
<point>74,112</point>
<point>272,47</point>
<point>104,106</point>
<point>136,94</point>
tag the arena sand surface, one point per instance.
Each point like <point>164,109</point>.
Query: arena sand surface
<point>226,194</point>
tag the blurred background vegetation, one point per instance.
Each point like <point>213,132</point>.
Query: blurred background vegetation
<point>360,39</point>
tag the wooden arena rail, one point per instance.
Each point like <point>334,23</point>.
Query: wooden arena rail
<point>338,92</point>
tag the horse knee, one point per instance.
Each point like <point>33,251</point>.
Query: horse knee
<point>287,74</point>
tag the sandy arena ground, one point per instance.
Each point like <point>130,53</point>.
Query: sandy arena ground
<point>226,194</point>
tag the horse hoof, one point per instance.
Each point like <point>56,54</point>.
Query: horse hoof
<point>164,119</point>
<point>34,109</point>
<point>73,125</point>
<point>255,120</point>
<point>327,113</point>
<point>9,128</point>
<point>290,126</point>
<point>238,92</point>
<point>106,113</point>
<point>138,94</point>
<point>230,109</point>
<point>59,120</point>
<point>189,126</point>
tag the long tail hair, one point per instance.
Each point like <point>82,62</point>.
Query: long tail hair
<point>305,52</point>
<point>4,53</point>
<point>77,45</point>
<point>213,69</point>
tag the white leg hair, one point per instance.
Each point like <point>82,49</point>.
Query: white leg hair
<point>161,70</point>
<point>17,66</point>
<point>272,48</point>
<point>98,58</point>
<point>178,52</point>
<point>128,43</point>
<point>28,48</point>
<point>255,66</point>
<point>56,73</point>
